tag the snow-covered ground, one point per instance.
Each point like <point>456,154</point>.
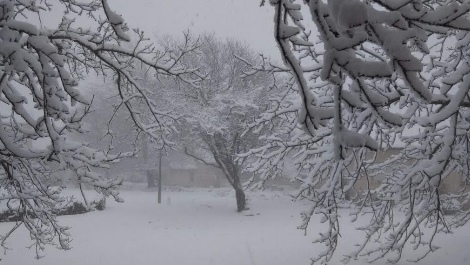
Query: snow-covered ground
<point>199,227</point>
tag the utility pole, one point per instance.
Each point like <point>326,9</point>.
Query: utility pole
<point>145,151</point>
<point>160,177</point>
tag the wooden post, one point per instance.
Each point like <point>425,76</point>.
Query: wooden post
<point>160,177</point>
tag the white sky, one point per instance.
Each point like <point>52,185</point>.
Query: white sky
<point>243,20</point>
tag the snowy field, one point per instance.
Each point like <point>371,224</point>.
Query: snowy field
<point>199,227</point>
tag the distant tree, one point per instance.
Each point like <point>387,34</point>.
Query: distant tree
<point>42,109</point>
<point>213,116</point>
<point>367,76</point>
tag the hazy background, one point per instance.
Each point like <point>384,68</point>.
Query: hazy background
<point>244,20</point>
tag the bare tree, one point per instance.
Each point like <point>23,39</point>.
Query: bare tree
<point>384,73</point>
<point>42,110</point>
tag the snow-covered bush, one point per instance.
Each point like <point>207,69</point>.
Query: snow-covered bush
<point>72,208</point>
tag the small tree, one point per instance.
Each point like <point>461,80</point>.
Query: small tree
<point>383,73</point>
<point>215,114</point>
<point>42,109</point>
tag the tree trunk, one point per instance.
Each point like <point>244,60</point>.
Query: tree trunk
<point>239,192</point>
<point>241,200</point>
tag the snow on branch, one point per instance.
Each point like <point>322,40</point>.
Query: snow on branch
<point>42,107</point>
<point>372,113</point>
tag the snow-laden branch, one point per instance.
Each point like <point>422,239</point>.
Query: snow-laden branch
<point>380,120</point>
<point>42,108</point>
